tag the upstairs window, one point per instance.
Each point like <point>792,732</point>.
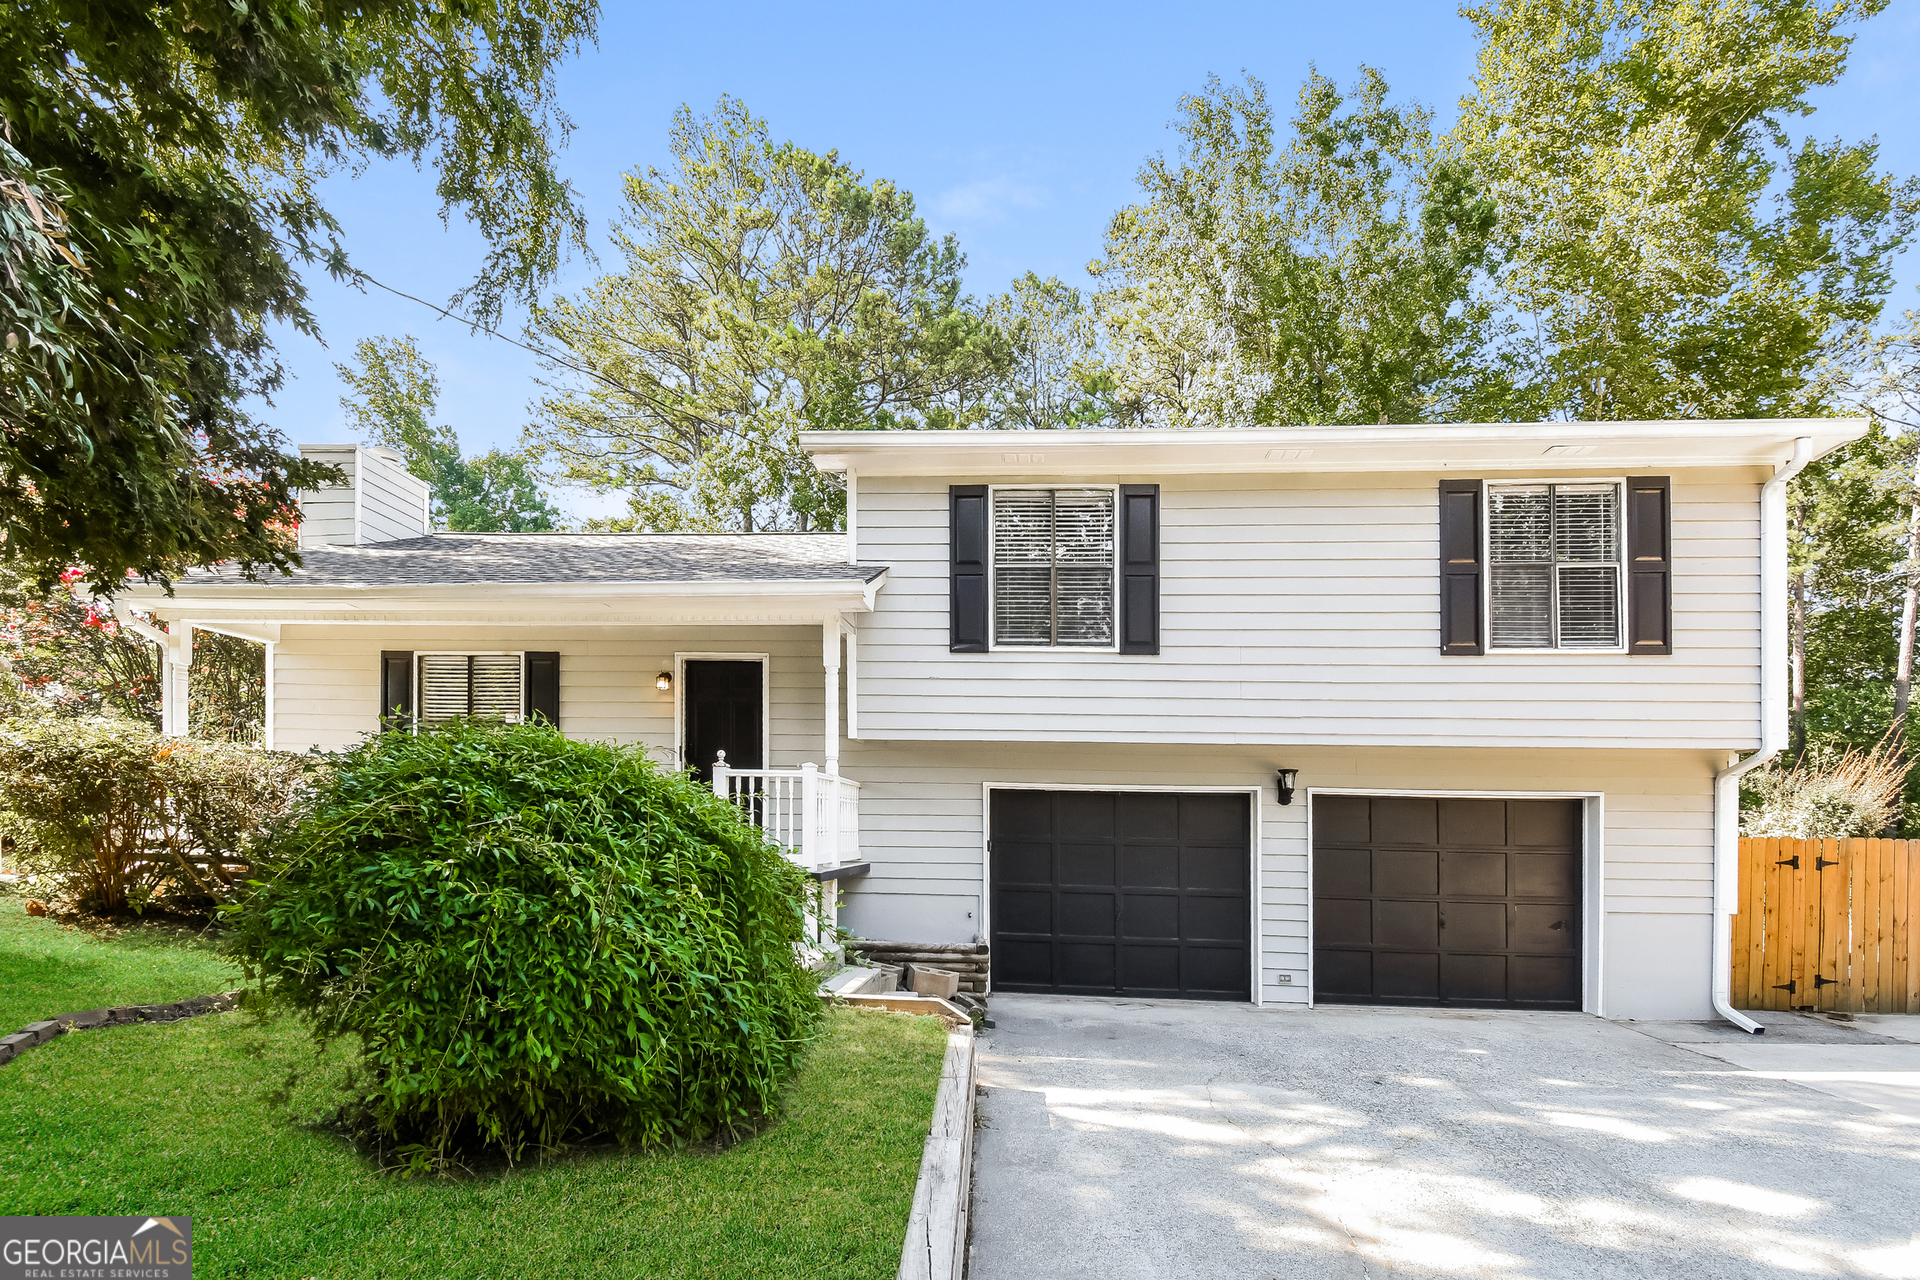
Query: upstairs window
<point>1053,568</point>
<point>485,685</point>
<point>1553,555</point>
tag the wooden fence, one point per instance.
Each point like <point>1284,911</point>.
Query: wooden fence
<point>1828,925</point>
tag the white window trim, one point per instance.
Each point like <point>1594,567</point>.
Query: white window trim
<point>680,706</point>
<point>1487,487</point>
<point>993,643</point>
<point>420,684</point>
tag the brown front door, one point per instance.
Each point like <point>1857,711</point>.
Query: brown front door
<point>1121,893</point>
<point>1422,901</point>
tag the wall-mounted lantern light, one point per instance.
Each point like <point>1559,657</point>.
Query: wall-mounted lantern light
<point>664,682</point>
<point>1285,778</point>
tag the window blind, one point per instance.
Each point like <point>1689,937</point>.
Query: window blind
<point>1053,553</point>
<point>485,685</point>
<point>1554,556</point>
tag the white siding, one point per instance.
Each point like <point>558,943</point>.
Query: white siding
<point>392,501</point>
<point>922,823</point>
<point>326,679</point>
<point>326,514</point>
<point>1304,609</point>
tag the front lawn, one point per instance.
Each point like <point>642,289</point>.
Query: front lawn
<point>216,1117</point>
<point>48,968</point>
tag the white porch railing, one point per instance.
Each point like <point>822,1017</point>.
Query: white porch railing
<point>815,816</point>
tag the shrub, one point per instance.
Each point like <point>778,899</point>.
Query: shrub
<point>119,815</point>
<point>1825,796</point>
<point>534,940</point>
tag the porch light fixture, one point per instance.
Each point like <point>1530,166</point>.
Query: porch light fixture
<point>664,682</point>
<point>1285,778</point>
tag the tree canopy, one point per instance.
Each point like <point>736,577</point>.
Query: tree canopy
<point>1323,270</point>
<point>1667,245</point>
<point>766,288</point>
<point>395,392</point>
<point>159,198</point>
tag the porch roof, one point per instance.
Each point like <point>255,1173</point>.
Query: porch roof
<point>552,578</point>
<point>526,559</point>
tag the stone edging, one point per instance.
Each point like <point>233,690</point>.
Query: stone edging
<point>37,1033</point>
<point>936,1244</point>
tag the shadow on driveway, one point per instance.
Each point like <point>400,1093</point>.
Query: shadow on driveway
<point>1136,1139</point>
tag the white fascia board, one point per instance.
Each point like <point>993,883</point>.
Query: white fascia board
<point>559,603</point>
<point>1477,447</point>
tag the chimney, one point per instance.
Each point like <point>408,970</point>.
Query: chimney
<point>380,502</point>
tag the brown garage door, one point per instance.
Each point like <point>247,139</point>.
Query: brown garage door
<point>1121,893</point>
<point>1446,902</point>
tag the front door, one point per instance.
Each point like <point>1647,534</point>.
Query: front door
<point>721,711</point>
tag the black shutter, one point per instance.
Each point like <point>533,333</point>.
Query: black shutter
<point>1649,564</point>
<point>396,689</point>
<point>543,687</point>
<point>1460,570</point>
<point>1140,568</point>
<point>967,568</point>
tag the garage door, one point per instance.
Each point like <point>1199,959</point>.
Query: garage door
<point>1120,893</point>
<point>1446,902</point>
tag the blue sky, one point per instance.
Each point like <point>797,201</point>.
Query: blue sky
<point>1019,128</point>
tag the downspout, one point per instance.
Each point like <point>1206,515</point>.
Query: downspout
<point>1773,729</point>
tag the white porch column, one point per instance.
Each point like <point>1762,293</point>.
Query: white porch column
<point>830,659</point>
<point>176,661</point>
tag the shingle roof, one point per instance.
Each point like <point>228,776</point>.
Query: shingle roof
<point>482,559</point>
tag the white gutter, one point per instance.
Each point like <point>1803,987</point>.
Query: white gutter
<point>124,614</point>
<point>1773,729</point>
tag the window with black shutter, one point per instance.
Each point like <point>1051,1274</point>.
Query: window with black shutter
<point>1053,557</point>
<point>488,686</point>
<point>1555,574</point>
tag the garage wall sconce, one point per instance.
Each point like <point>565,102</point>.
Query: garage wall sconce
<point>664,682</point>
<point>1285,778</point>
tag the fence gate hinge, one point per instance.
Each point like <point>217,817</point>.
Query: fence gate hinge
<point>1791,986</point>
<point>1819,982</point>
<point>1793,862</point>
<point>1821,864</point>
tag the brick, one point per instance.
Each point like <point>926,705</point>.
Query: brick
<point>83,1020</point>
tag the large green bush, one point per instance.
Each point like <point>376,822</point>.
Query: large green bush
<point>534,940</point>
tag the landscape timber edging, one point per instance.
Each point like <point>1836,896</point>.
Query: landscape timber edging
<point>936,1243</point>
<point>38,1033</point>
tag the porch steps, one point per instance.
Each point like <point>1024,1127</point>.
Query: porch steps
<point>857,980</point>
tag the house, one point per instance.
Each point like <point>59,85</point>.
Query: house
<point>1387,714</point>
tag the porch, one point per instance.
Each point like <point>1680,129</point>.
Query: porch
<point>813,814</point>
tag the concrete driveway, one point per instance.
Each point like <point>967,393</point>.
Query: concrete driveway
<point>1137,1139</point>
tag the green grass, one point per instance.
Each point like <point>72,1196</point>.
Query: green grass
<point>48,968</point>
<point>215,1117</point>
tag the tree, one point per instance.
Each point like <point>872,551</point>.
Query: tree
<point>1846,531</point>
<point>1324,273</point>
<point>71,657</point>
<point>395,391</point>
<point>766,289</point>
<point>1057,377</point>
<point>159,175</point>
<point>1667,248</point>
